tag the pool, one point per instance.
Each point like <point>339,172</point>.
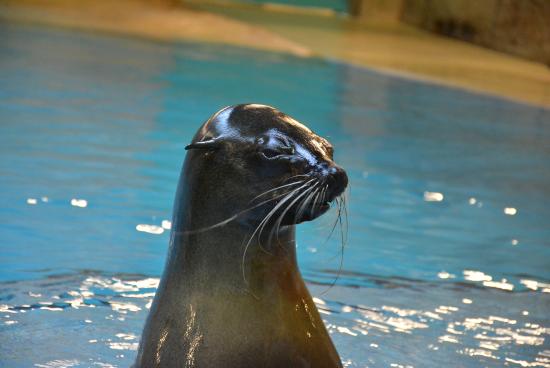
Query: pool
<point>448,255</point>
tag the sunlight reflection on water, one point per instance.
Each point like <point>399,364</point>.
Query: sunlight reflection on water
<point>447,259</point>
<point>120,299</point>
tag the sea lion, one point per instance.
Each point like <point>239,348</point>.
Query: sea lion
<point>231,294</point>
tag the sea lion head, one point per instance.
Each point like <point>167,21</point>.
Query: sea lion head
<point>269,161</point>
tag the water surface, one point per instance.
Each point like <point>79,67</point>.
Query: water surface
<point>447,261</point>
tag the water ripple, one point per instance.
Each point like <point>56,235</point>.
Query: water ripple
<point>474,329</point>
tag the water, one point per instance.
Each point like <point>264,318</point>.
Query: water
<point>448,259</point>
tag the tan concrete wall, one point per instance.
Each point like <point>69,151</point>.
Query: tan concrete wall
<point>518,27</point>
<point>387,10</point>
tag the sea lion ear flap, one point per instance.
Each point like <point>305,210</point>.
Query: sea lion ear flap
<point>210,145</point>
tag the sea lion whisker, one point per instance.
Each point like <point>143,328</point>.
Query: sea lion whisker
<point>264,220</point>
<point>298,189</point>
<point>324,192</point>
<point>345,201</point>
<point>231,218</point>
<point>310,201</point>
<point>274,189</point>
<point>304,204</point>
<point>286,198</point>
<point>341,263</point>
<point>277,223</point>
<point>334,224</point>
<point>314,203</point>
<point>320,195</point>
<point>282,215</point>
<point>297,176</point>
<point>300,206</point>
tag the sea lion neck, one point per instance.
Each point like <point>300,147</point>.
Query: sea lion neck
<point>204,242</point>
<point>223,258</point>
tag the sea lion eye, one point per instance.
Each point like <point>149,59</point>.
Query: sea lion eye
<point>271,153</point>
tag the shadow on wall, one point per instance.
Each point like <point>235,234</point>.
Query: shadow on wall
<point>518,27</point>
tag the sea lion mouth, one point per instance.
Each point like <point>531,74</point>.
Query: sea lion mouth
<point>314,197</point>
<point>310,214</point>
<point>314,213</point>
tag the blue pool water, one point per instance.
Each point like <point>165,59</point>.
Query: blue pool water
<point>448,258</point>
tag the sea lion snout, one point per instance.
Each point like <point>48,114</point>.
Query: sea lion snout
<point>334,177</point>
<point>337,181</point>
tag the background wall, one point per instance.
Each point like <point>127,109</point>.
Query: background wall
<point>518,27</point>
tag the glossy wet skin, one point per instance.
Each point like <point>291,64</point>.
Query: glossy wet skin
<point>279,151</point>
<point>231,294</point>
